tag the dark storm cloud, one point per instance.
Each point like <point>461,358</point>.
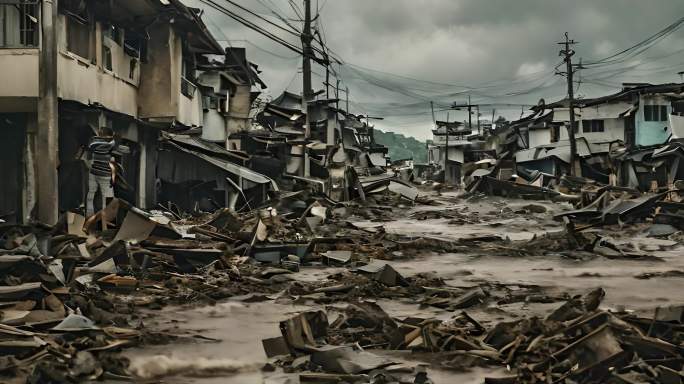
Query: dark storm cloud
<point>461,41</point>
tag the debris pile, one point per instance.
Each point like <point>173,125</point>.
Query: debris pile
<point>70,294</point>
<point>577,342</point>
<point>304,348</point>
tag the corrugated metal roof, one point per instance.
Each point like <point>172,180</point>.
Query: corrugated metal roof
<point>182,142</point>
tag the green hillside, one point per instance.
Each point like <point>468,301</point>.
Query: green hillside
<point>402,147</point>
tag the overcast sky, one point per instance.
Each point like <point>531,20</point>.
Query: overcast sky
<point>497,47</point>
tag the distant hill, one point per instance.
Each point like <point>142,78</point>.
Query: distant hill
<point>402,147</point>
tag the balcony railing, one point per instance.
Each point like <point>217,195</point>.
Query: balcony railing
<point>454,140</point>
<point>19,24</point>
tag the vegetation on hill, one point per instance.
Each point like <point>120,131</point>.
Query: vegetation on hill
<point>402,147</point>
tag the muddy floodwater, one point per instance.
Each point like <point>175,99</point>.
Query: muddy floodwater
<point>238,327</point>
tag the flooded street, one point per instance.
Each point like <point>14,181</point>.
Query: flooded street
<point>240,327</point>
<point>341,192</point>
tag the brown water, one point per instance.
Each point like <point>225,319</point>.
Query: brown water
<point>241,327</point>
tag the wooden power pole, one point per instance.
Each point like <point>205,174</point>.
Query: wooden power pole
<point>567,53</point>
<point>307,91</point>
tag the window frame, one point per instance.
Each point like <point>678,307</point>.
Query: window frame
<point>29,15</point>
<point>656,113</point>
<point>593,126</point>
<point>72,19</point>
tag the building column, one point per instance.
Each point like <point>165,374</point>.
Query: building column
<point>29,173</point>
<point>47,140</point>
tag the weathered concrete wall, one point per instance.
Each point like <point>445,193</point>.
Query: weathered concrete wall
<point>240,104</point>
<point>214,126</point>
<point>85,82</point>
<point>456,154</point>
<point>540,137</point>
<point>614,126</point>
<point>18,73</point>
<point>190,110</point>
<point>160,75</point>
<point>677,126</point>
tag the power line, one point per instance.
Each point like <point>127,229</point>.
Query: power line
<point>639,47</point>
<point>295,32</point>
<point>278,15</point>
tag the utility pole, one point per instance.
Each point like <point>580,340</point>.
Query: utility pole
<point>432,107</point>
<point>446,148</point>
<point>307,50</point>
<point>307,91</point>
<point>337,95</point>
<point>567,53</point>
<point>470,115</point>
<point>47,135</point>
<point>347,92</point>
<point>469,106</point>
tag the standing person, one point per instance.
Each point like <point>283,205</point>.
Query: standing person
<point>100,152</point>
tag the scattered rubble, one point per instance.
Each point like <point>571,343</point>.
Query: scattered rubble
<point>576,342</point>
<point>73,295</point>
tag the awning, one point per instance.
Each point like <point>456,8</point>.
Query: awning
<point>180,142</point>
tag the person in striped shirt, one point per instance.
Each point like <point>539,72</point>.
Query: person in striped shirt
<point>100,152</point>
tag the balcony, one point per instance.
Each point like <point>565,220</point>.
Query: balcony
<point>19,23</point>
<point>19,56</point>
<point>454,140</point>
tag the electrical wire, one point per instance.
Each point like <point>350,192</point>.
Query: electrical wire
<point>639,47</point>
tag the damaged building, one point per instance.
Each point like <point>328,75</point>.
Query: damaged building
<point>337,156</point>
<point>619,138</point>
<point>456,151</point>
<point>137,68</point>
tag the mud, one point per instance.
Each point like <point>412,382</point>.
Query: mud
<point>239,327</point>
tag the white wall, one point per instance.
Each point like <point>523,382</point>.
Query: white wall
<point>213,126</point>
<point>190,110</point>
<point>677,126</point>
<point>19,72</point>
<point>239,107</point>
<point>614,126</point>
<point>455,154</point>
<point>538,137</point>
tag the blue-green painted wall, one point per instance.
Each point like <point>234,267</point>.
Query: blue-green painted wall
<point>651,132</point>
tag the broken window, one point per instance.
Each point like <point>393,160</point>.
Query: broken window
<point>592,126</point>
<point>133,67</point>
<point>187,88</point>
<point>19,23</point>
<point>112,32</point>
<point>678,107</point>
<point>655,112</point>
<point>222,104</point>
<point>78,35</point>
<point>187,74</point>
<point>213,102</point>
<point>107,58</point>
<point>134,45</point>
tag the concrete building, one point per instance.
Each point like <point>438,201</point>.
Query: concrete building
<point>448,150</point>
<point>639,116</point>
<point>73,66</point>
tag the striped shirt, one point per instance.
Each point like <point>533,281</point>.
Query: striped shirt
<point>101,150</point>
